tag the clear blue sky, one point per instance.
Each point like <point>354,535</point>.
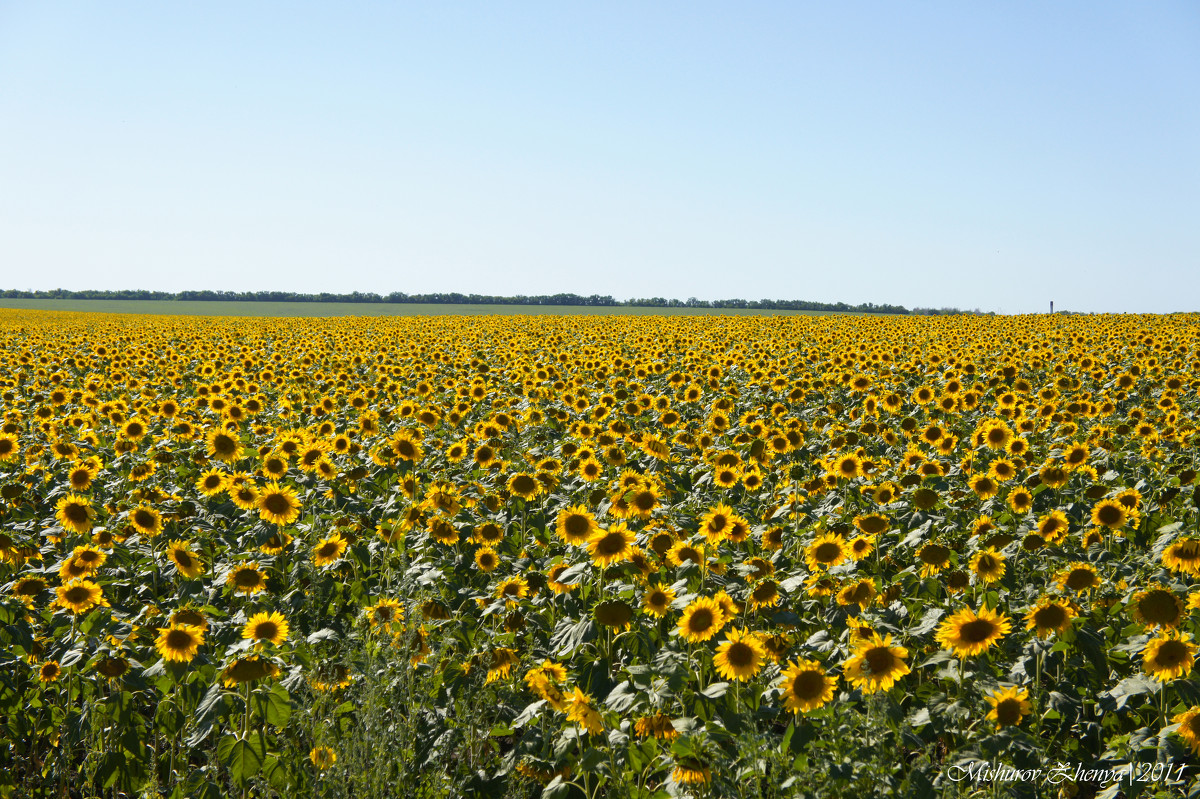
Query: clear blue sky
<point>990,155</point>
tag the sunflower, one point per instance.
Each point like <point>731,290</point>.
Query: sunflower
<point>322,757</point>
<point>846,466</point>
<point>248,669</point>
<point>246,578</point>
<point>544,680</point>
<point>186,561</point>
<point>1109,513</point>
<point>266,627</point>
<point>1020,499</point>
<point>968,633</point>
<point>276,543</point>
<point>75,513</point>
<point>613,613</point>
<point>611,545</point>
<point>386,613</point>
<point>876,664</point>
<point>1078,577</point>
<point>1158,607</point>
<point>825,552</point>
<point>701,620</point>
<point>988,565</point>
<point>658,726</point>
<point>861,593</point>
<point>49,671</point>
<point>9,448</point>
<point>553,582</point>
<point>211,483</point>
<point>871,524</point>
<point>244,495</point>
<point>575,525</point>
<point>486,559</point>
<point>984,486</point>
<point>223,445</point>
<point>807,686</point>
<point>146,520</point>
<point>740,656</point>
<point>1183,555</point>
<point>81,475</point>
<point>524,485</point>
<point>657,600</point>
<point>682,552</point>
<point>691,771</point>
<point>1009,706</point>
<point>1189,727</point>
<point>581,711</point>
<point>512,588</point>
<point>1050,615</point>
<point>933,557</point>
<point>179,642</point>
<point>278,504</point>
<point>1169,655</point>
<point>84,562</point>
<point>80,596</point>
<point>715,524</point>
<point>27,589</point>
<point>1053,527</point>
<point>329,550</point>
<point>190,616</point>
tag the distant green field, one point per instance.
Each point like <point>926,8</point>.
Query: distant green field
<point>198,308</point>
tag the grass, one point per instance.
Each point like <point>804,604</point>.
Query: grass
<point>205,308</point>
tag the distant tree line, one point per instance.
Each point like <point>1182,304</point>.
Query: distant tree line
<point>455,298</point>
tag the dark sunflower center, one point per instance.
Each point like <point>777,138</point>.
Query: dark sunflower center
<point>179,640</point>
<point>524,484</point>
<point>1008,711</point>
<point>740,655</point>
<point>246,578</point>
<point>701,620</point>
<point>1171,653</point>
<point>277,504</point>
<point>1050,616</point>
<point>266,629</point>
<point>879,659</point>
<point>576,525</point>
<point>1159,607</point>
<point>224,444</point>
<point>808,685</point>
<point>827,552</point>
<point>77,594</point>
<point>1081,578</point>
<point>1110,515</point>
<point>75,512</point>
<point>611,544</point>
<point>144,519</point>
<point>977,631</point>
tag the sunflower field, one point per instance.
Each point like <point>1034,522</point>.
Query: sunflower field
<point>597,556</point>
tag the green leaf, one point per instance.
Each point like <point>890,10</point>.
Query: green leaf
<point>279,706</point>
<point>243,756</point>
<point>716,690</point>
